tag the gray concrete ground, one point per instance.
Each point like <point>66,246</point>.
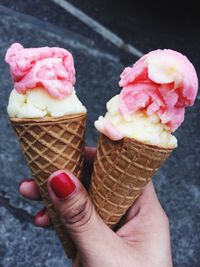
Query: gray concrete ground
<point>98,64</point>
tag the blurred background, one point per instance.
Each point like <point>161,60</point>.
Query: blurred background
<point>104,37</point>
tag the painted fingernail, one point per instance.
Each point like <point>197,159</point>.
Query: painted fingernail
<point>41,213</point>
<point>62,185</point>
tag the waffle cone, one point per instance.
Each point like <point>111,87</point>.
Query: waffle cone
<point>121,171</point>
<point>50,144</point>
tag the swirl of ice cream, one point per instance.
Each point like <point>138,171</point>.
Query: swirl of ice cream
<point>44,81</point>
<point>152,102</point>
<point>51,68</point>
<point>162,82</point>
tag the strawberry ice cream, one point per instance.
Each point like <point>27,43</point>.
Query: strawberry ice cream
<point>44,81</point>
<point>155,92</point>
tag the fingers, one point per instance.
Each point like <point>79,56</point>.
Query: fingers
<point>149,205</point>
<point>148,195</point>
<point>29,189</point>
<point>142,202</point>
<point>146,200</point>
<point>76,211</point>
<point>42,219</point>
<point>146,210</point>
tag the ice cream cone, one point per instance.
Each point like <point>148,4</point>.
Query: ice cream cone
<point>121,171</point>
<point>137,129</point>
<point>50,144</point>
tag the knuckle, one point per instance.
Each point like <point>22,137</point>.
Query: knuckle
<point>78,214</point>
<point>152,215</point>
<point>165,220</point>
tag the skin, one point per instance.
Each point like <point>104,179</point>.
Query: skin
<point>141,239</point>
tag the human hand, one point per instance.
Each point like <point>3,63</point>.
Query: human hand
<point>142,238</point>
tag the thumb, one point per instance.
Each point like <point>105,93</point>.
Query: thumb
<point>75,208</point>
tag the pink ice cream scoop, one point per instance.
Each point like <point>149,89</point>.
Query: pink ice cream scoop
<point>51,68</point>
<point>162,82</point>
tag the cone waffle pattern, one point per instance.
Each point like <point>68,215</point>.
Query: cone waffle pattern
<point>121,171</point>
<point>50,144</point>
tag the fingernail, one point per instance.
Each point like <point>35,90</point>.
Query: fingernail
<point>40,213</point>
<point>62,185</point>
<point>26,181</point>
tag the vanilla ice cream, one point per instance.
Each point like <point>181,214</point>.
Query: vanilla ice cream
<point>37,103</point>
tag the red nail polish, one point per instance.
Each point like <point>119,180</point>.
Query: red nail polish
<point>40,213</point>
<point>62,185</point>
